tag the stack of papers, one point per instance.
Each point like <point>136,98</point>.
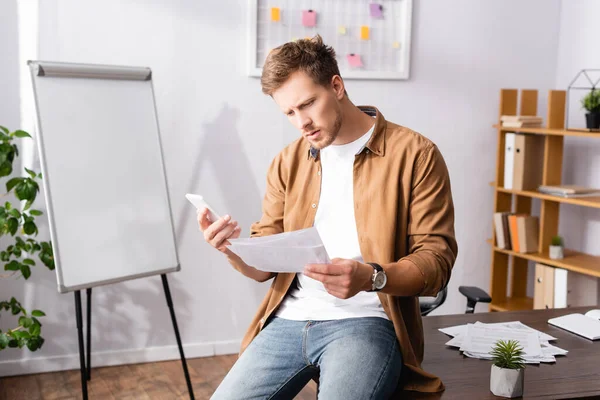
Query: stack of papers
<point>477,340</point>
<point>283,252</point>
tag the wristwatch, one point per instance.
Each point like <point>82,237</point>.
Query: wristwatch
<point>379,278</point>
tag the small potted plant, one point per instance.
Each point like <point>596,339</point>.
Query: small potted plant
<point>591,102</point>
<point>508,370</point>
<point>556,248</point>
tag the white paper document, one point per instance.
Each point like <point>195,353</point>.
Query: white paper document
<point>481,339</point>
<point>476,340</point>
<point>283,252</point>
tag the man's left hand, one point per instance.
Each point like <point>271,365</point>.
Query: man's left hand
<point>342,278</point>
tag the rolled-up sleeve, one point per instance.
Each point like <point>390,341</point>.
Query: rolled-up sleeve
<point>432,245</point>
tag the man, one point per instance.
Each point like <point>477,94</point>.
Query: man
<point>379,195</point>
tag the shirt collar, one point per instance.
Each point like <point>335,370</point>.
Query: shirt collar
<point>376,143</point>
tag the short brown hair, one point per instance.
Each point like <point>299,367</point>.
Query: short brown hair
<point>311,56</point>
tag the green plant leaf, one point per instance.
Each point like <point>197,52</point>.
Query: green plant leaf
<point>36,213</point>
<point>21,335</point>
<point>29,228</point>
<point>4,129</point>
<point>35,343</point>
<point>13,225</point>
<point>35,330</point>
<point>21,134</point>
<point>5,168</point>
<point>26,271</point>
<point>38,313</point>
<point>14,265</point>
<point>12,183</point>
<point>25,322</point>
<point>15,213</point>
<point>30,172</point>
<point>28,261</point>
<point>3,340</point>
<point>13,343</point>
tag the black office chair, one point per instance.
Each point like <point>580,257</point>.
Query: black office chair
<point>473,294</point>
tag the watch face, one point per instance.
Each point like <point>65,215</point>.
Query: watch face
<point>380,280</point>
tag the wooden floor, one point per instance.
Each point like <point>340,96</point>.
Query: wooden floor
<point>160,380</point>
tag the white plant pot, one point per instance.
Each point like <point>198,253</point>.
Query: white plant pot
<point>556,252</point>
<point>507,382</point>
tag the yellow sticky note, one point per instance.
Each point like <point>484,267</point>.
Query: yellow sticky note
<point>275,14</point>
<point>396,45</point>
<point>294,39</point>
<point>364,32</point>
<point>342,30</point>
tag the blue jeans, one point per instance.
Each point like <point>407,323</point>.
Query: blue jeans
<point>355,358</point>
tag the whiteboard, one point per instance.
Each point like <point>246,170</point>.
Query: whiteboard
<point>103,173</point>
<point>384,55</point>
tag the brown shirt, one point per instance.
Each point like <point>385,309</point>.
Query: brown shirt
<point>404,214</point>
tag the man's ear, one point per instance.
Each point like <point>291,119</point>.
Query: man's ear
<point>337,84</point>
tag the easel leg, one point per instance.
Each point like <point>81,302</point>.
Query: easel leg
<point>174,320</point>
<point>81,347</point>
<point>89,333</point>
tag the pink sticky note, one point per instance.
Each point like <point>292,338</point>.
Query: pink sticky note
<point>309,18</point>
<point>354,60</point>
<point>376,10</point>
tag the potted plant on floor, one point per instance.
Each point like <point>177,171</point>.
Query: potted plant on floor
<point>591,102</point>
<point>508,370</point>
<point>556,251</point>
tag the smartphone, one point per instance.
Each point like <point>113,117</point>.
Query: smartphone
<point>200,203</point>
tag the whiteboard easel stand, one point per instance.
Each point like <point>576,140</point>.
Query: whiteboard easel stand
<point>86,370</point>
<point>50,69</point>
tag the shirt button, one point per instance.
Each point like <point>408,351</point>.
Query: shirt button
<point>314,205</point>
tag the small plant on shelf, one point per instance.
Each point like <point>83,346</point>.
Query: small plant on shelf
<point>591,103</point>
<point>508,369</point>
<point>556,251</point>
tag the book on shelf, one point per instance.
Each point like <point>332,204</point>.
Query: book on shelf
<point>516,232</point>
<point>521,121</point>
<point>568,190</point>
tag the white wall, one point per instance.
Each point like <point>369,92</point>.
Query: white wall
<point>220,134</point>
<point>577,50</point>
<point>9,49</point>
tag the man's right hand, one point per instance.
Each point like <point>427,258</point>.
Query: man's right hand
<point>216,233</point>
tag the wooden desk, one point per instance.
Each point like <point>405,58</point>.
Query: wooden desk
<point>574,376</point>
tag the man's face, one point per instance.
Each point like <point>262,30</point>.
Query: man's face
<point>313,109</point>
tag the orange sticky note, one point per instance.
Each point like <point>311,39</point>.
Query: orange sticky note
<point>275,14</point>
<point>364,32</point>
<point>354,60</point>
<point>309,18</point>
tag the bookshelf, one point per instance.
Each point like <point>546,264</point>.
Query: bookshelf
<point>520,201</point>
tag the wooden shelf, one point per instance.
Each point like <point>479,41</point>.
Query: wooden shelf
<point>592,201</point>
<point>512,304</point>
<point>573,260</point>
<point>552,132</point>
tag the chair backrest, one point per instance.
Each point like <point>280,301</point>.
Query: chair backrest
<point>428,304</point>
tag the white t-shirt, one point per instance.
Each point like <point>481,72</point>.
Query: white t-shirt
<point>336,224</point>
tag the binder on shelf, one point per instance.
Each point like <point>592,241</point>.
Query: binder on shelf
<point>509,159</point>
<point>528,162</point>
<point>560,288</point>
